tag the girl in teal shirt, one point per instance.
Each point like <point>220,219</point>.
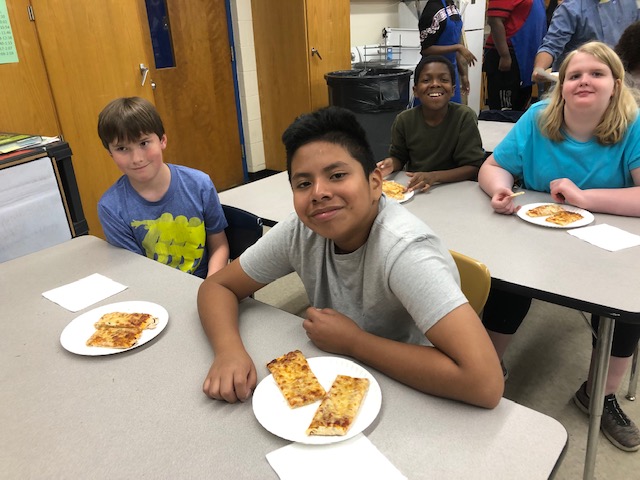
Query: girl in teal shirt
<point>583,147</point>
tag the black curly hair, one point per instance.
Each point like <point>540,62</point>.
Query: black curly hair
<point>628,47</point>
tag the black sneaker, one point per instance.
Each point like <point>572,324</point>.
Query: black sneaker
<point>616,426</point>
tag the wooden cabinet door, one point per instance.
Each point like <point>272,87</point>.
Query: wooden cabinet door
<point>196,98</point>
<point>328,32</point>
<point>93,50</point>
<point>280,38</point>
<point>290,77</point>
<point>25,98</point>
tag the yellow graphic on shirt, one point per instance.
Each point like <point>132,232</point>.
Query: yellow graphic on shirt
<point>176,242</point>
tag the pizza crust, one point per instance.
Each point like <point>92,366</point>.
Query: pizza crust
<point>131,320</point>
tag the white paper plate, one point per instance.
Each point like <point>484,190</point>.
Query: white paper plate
<point>273,412</point>
<point>75,335</point>
<point>586,220</point>
<point>407,196</point>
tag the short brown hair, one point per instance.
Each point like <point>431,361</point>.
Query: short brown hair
<point>127,119</point>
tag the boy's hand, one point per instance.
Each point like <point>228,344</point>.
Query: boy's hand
<point>385,166</point>
<point>420,181</point>
<point>331,331</point>
<point>232,377</point>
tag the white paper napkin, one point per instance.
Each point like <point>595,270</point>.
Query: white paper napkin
<point>84,292</point>
<point>350,459</point>
<point>607,237</point>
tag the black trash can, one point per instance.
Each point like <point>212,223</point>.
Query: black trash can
<point>376,96</point>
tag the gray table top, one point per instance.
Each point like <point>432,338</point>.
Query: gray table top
<point>142,413</point>
<point>271,197</point>
<point>546,262</point>
<point>492,133</point>
<point>512,249</point>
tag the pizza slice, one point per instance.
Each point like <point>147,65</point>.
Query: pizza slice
<point>296,381</point>
<point>338,410</point>
<point>564,218</point>
<point>128,320</point>
<point>545,210</point>
<point>114,337</point>
<point>393,189</point>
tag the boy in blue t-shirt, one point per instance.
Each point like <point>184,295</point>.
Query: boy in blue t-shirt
<point>166,212</point>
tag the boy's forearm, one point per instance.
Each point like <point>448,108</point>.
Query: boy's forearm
<point>397,164</point>
<point>218,309</point>
<point>218,259</point>
<point>457,174</point>
<point>426,369</point>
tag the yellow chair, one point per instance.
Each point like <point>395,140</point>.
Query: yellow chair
<point>475,280</point>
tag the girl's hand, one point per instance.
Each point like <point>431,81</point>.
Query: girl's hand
<point>564,190</point>
<point>502,202</point>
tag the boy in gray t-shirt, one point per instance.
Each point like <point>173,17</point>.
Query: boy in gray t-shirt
<point>382,287</point>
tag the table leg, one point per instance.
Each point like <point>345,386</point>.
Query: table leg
<point>633,380</point>
<point>599,377</point>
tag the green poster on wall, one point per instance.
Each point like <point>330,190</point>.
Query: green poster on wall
<point>8,52</point>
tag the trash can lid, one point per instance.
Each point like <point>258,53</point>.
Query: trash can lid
<point>374,72</point>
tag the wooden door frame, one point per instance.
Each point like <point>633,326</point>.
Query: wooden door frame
<point>236,90</point>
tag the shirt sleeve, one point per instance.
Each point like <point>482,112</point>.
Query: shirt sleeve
<point>398,148</point>
<point>425,284</point>
<point>268,259</point>
<point>509,152</point>
<point>214,218</point>
<point>116,230</point>
<point>500,8</point>
<point>468,150</point>
<point>563,25</point>
<point>430,28</point>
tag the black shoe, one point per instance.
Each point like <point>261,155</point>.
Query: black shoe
<point>616,426</point>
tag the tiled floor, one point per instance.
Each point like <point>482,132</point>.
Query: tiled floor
<point>547,361</point>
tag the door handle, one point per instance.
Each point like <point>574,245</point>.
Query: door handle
<point>144,71</point>
<point>315,52</point>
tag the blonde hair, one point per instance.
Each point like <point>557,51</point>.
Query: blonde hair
<point>622,109</point>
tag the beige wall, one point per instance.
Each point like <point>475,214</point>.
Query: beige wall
<point>368,18</point>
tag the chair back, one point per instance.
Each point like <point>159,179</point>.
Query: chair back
<point>475,280</point>
<point>244,230</point>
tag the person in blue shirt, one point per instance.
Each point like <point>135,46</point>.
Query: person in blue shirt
<point>440,27</point>
<point>582,145</point>
<point>168,213</point>
<point>575,22</point>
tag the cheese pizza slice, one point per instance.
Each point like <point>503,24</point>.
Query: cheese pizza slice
<point>393,189</point>
<point>339,408</point>
<point>114,337</point>
<point>127,320</point>
<point>564,218</point>
<point>544,210</point>
<point>295,379</point>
